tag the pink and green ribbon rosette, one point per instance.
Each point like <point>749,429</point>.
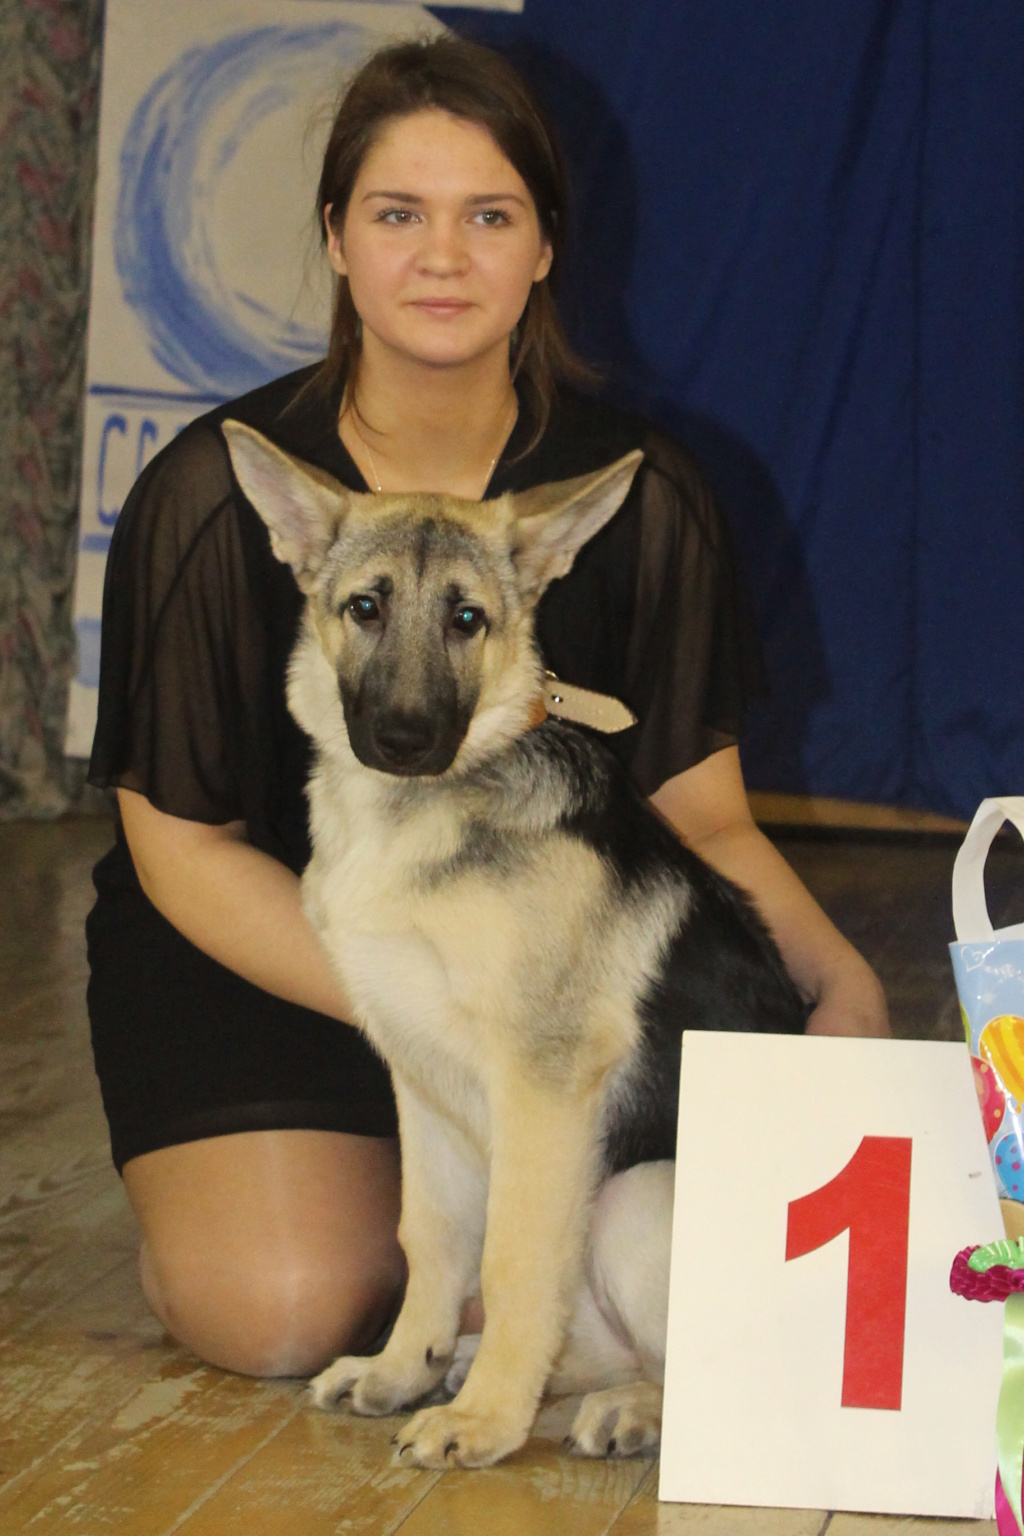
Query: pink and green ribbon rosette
<point>996,1273</point>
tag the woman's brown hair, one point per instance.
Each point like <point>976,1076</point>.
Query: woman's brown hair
<point>479,85</point>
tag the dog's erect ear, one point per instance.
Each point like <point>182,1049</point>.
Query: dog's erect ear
<point>300,504</point>
<point>553,522</point>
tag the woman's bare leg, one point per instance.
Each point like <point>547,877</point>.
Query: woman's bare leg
<point>270,1252</point>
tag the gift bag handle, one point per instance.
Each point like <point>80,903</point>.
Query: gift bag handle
<point>970,910</point>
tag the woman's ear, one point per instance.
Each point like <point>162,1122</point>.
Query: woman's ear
<point>335,250</point>
<point>544,264</point>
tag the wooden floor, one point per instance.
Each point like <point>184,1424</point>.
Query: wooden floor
<point>108,1427</point>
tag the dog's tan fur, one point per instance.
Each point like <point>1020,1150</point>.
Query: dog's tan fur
<point>505,1007</point>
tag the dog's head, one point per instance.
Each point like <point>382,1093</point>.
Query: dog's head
<point>422,605</point>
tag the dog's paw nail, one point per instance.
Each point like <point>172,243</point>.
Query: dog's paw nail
<point>452,1445</point>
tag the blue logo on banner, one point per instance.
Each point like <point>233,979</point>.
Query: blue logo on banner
<point>87,633</point>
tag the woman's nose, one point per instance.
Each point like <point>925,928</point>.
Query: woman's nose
<point>443,252</point>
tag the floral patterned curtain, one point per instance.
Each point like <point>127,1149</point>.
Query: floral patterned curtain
<point>49,96</point>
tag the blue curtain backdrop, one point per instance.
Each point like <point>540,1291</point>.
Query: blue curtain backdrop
<point>798,245</point>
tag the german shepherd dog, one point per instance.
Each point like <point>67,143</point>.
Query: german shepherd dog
<point>523,940</point>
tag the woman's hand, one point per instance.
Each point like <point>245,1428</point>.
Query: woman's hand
<point>233,901</point>
<point>707,805</point>
<point>851,1002</point>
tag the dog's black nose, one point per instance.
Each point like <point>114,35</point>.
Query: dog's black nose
<point>404,739</point>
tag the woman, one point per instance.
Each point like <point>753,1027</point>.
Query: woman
<point>254,1129</point>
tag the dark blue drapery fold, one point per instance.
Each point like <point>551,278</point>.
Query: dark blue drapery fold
<point>799,245</point>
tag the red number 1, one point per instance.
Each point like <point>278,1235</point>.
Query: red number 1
<point>871,1197</point>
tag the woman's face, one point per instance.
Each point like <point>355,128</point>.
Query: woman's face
<point>440,243</point>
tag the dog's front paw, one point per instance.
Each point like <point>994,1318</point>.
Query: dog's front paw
<point>456,1437</point>
<point>340,1379</point>
<point>372,1384</point>
<point>621,1421</point>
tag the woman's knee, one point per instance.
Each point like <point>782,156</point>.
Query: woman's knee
<point>270,1252</point>
<point>271,1316</point>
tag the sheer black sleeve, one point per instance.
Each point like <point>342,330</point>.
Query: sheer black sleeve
<point>184,640</point>
<point>654,610</point>
<point>692,659</point>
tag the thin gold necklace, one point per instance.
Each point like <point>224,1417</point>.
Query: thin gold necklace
<point>505,434</point>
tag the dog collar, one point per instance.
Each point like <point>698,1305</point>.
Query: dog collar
<point>583,706</point>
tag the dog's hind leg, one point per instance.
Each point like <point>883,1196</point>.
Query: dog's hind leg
<point>441,1230</point>
<point>621,1421</point>
<point>617,1334</point>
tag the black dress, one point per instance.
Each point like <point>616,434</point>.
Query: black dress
<point>198,624</point>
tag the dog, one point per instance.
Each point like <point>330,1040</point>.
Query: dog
<point>522,938</point>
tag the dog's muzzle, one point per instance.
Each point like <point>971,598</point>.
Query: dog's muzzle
<point>403,743</point>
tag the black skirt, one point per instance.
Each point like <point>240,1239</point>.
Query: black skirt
<point>185,1049</point>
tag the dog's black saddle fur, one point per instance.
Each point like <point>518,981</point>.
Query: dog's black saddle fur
<point>721,969</point>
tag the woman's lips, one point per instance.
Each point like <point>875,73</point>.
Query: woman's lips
<point>442,307</point>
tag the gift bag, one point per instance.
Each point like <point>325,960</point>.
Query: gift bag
<point>989,969</point>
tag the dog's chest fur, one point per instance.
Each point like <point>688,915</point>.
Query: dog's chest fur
<point>465,943</point>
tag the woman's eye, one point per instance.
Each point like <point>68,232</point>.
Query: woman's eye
<point>493,217</point>
<point>364,609</point>
<point>467,620</point>
<point>395,216</point>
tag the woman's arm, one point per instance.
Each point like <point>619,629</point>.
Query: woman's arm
<point>708,806</point>
<point>233,901</point>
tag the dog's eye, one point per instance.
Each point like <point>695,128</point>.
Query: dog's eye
<point>363,608</point>
<point>466,620</point>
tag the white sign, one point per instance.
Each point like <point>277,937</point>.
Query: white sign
<point>206,277</point>
<point>816,1355</point>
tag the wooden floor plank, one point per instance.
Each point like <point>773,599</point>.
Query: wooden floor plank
<point>644,1516</point>
<point>323,1474</point>
<point>141,1469</point>
<point>40,1161</point>
<point>47,891</point>
<point>541,1491</point>
<point>64,1218</point>
<point>50,1106</point>
<point>106,1425</point>
<point>906,1525</point>
<point>69,1368</point>
<point>57,1186</point>
<point>43,1039</point>
<point>53,1250</point>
